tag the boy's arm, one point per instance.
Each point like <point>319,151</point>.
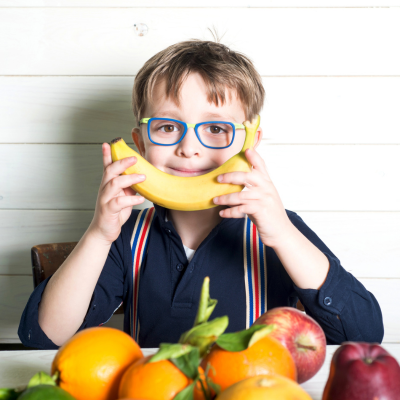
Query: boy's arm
<point>103,302</point>
<point>344,308</point>
<point>337,300</point>
<point>68,293</point>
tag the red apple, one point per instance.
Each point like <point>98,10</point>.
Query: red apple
<point>361,370</point>
<point>301,335</point>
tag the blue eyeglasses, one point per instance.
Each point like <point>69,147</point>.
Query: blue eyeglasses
<point>211,134</point>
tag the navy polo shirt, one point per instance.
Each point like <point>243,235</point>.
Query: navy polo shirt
<point>170,287</point>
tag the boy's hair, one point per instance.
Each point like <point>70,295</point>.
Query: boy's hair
<point>219,67</point>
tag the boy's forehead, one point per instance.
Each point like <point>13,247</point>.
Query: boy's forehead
<point>193,98</point>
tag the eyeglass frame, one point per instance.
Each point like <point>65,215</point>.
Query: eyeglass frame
<point>186,126</point>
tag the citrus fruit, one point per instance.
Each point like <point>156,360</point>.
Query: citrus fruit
<point>271,387</point>
<point>266,356</point>
<point>45,392</point>
<point>92,362</point>
<point>160,380</point>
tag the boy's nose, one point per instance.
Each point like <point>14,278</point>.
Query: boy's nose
<point>190,144</point>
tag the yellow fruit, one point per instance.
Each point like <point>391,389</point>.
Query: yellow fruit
<point>180,192</point>
<point>271,387</point>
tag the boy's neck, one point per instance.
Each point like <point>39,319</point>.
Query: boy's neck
<point>194,226</point>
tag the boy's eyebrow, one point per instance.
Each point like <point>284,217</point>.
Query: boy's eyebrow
<point>175,115</point>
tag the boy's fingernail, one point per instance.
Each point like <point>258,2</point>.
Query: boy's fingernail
<point>131,159</point>
<point>215,199</point>
<point>220,178</point>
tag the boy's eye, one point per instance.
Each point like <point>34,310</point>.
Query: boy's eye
<point>215,129</point>
<point>168,128</point>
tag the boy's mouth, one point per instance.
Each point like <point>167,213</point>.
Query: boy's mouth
<point>189,172</point>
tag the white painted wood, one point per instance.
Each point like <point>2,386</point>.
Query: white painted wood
<point>196,4</point>
<point>297,110</point>
<point>20,230</point>
<point>307,177</point>
<point>367,244</point>
<point>15,292</point>
<point>17,367</point>
<point>281,41</point>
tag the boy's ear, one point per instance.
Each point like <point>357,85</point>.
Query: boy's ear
<point>138,140</point>
<point>258,137</point>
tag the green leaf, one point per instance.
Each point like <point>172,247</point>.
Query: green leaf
<point>189,363</point>
<point>41,378</point>
<point>206,304</point>
<point>168,351</point>
<point>205,334</point>
<point>187,393</point>
<point>8,394</point>
<point>242,340</point>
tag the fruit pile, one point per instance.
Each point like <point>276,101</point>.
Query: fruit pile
<point>282,349</point>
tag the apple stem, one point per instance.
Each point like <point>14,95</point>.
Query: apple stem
<point>368,360</point>
<point>302,346</point>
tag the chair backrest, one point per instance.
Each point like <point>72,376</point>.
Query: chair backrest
<point>47,258</point>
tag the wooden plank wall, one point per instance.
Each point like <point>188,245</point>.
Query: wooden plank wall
<point>331,71</point>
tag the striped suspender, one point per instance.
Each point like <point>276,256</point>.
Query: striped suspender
<point>139,241</point>
<point>255,272</point>
<point>255,268</point>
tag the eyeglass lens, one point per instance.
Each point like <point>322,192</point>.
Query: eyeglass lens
<point>210,133</point>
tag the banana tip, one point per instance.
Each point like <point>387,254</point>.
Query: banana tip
<point>116,140</point>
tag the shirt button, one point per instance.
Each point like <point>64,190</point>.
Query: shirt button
<point>167,230</point>
<point>179,267</point>
<point>327,301</point>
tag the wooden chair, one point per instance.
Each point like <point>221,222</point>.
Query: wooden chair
<point>46,258</point>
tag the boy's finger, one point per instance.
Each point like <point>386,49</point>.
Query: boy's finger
<point>257,161</point>
<point>117,204</point>
<point>107,160</point>
<point>254,178</point>
<point>114,186</point>
<point>129,191</point>
<point>117,168</point>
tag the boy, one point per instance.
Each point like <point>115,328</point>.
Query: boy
<point>194,82</point>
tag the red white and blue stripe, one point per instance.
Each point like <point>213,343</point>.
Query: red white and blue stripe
<point>255,272</point>
<point>255,268</point>
<point>139,241</point>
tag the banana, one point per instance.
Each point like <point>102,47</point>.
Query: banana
<point>180,192</point>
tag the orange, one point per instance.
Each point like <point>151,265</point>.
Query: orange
<point>160,380</point>
<point>92,362</point>
<point>271,387</point>
<point>266,356</point>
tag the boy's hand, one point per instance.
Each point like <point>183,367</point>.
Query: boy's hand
<point>261,202</point>
<point>115,198</point>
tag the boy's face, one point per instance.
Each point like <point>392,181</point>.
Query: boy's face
<point>190,157</point>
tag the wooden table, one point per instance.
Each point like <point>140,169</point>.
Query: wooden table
<point>17,367</point>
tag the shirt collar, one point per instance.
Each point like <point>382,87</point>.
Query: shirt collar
<point>161,212</point>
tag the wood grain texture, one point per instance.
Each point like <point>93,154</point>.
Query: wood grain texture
<point>197,3</point>
<point>296,110</point>
<point>307,177</point>
<point>15,292</point>
<point>281,41</point>
<point>367,244</point>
